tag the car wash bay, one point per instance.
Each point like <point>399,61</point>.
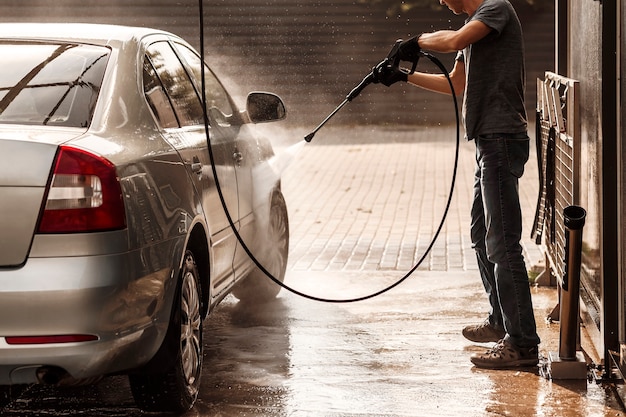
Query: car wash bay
<point>400,354</point>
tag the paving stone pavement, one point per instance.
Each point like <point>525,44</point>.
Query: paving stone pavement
<point>364,203</point>
<point>371,199</point>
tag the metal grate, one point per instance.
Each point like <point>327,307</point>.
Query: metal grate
<point>558,155</point>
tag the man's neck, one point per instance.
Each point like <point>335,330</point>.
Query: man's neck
<point>471,6</point>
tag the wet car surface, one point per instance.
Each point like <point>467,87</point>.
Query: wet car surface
<point>116,238</point>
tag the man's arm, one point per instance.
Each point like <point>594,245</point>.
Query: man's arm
<point>454,40</point>
<point>439,82</point>
<point>448,41</point>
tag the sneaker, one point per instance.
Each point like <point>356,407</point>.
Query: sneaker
<point>506,355</point>
<point>483,333</point>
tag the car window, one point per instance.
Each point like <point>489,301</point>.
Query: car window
<point>177,84</point>
<point>216,96</point>
<point>50,83</point>
<point>157,99</point>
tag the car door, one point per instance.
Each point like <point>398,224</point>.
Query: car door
<point>187,135</point>
<point>226,126</point>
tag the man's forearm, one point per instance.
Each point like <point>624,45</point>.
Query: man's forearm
<point>433,82</point>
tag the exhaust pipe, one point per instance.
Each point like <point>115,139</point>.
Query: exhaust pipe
<point>59,377</point>
<point>51,375</point>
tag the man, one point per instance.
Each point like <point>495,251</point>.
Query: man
<point>489,70</point>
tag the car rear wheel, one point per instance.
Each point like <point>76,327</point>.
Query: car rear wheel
<point>257,287</point>
<point>172,383</point>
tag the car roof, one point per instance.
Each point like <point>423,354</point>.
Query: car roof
<point>100,34</point>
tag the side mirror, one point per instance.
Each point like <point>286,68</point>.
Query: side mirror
<point>265,107</point>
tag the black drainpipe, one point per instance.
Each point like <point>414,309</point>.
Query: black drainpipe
<point>610,191</point>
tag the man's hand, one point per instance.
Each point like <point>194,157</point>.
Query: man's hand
<point>389,74</point>
<point>409,50</point>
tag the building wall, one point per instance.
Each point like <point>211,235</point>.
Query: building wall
<point>585,65</point>
<point>622,136</point>
<point>310,53</point>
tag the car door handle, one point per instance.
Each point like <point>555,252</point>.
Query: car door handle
<point>237,156</point>
<point>196,165</point>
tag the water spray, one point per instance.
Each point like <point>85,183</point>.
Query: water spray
<point>392,59</point>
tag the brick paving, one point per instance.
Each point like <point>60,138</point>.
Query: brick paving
<point>371,198</point>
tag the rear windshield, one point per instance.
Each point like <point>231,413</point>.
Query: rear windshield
<point>54,84</point>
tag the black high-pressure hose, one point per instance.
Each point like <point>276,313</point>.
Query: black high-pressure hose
<point>352,94</point>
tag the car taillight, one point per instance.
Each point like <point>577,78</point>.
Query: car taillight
<point>84,195</point>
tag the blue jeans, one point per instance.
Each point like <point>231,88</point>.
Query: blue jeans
<point>496,231</point>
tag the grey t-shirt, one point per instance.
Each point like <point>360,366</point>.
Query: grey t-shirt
<point>495,74</point>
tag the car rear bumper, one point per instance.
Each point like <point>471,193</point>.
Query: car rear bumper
<point>116,298</point>
<point>56,363</point>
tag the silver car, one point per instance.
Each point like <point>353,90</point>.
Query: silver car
<point>117,213</point>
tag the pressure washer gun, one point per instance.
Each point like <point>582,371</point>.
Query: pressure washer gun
<point>392,60</point>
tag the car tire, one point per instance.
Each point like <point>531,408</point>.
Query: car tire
<point>257,287</point>
<point>171,383</point>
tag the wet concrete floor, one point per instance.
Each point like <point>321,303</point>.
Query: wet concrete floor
<point>400,354</point>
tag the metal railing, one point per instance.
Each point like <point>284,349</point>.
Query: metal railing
<point>558,154</point>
